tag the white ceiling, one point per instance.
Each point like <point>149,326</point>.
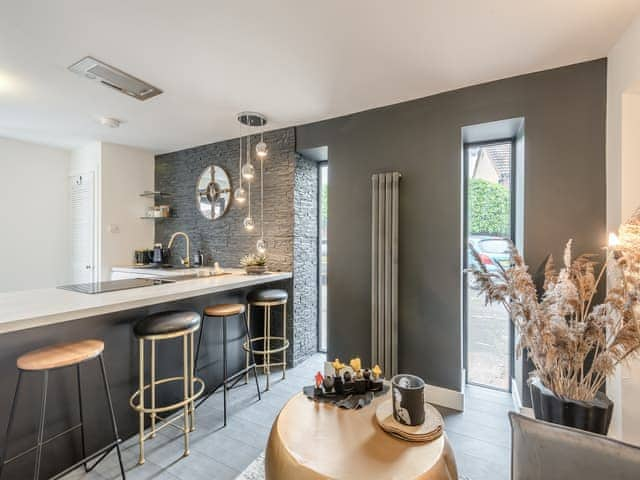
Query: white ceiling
<point>296,61</point>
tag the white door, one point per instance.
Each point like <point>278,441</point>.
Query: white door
<point>83,248</point>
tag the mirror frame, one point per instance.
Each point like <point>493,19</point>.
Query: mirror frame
<point>210,194</point>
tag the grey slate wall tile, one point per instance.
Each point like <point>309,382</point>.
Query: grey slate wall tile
<point>224,240</point>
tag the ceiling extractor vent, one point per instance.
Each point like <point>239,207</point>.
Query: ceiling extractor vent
<point>112,77</point>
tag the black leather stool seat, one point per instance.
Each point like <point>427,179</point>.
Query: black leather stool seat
<point>162,323</point>
<point>268,295</point>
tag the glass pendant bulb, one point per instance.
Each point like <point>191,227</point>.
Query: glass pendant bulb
<point>248,223</point>
<point>240,195</point>
<point>261,246</point>
<point>248,171</point>
<point>261,149</point>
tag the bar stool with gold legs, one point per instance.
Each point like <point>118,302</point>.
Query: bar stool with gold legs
<point>164,326</point>
<point>43,361</point>
<point>268,299</point>
<point>223,311</point>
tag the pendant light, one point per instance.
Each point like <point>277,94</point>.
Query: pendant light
<point>261,245</point>
<point>247,169</point>
<point>248,222</point>
<point>261,147</point>
<point>240,194</point>
<point>247,172</point>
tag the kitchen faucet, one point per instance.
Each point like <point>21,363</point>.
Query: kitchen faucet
<point>186,260</point>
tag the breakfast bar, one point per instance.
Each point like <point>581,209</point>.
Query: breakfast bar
<point>32,319</point>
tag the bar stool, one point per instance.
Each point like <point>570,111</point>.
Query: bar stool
<point>267,299</point>
<point>164,326</point>
<point>50,358</point>
<point>224,311</point>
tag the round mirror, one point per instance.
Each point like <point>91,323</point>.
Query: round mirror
<point>213,192</point>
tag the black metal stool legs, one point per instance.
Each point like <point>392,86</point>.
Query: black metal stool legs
<point>114,425</point>
<point>10,423</point>
<point>43,410</point>
<point>224,367</point>
<point>82,437</point>
<point>228,382</point>
<point>41,442</point>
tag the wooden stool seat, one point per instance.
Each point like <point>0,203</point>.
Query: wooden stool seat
<point>61,355</point>
<point>224,310</point>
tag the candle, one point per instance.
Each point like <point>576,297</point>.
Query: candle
<point>376,372</point>
<point>356,364</point>
<point>614,241</point>
<point>337,365</point>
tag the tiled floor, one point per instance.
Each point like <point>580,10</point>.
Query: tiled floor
<point>480,435</point>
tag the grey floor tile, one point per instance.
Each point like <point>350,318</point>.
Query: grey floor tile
<point>480,435</point>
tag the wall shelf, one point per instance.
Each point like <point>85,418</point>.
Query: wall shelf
<point>150,194</point>
<point>159,218</point>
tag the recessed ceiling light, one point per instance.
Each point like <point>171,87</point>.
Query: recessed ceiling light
<point>110,122</point>
<point>7,83</point>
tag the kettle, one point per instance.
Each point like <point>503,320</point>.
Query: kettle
<point>157,253</point>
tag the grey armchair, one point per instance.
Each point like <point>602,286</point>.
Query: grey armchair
<point>546,451</point>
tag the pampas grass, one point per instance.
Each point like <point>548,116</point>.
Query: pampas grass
<point>573,343</point>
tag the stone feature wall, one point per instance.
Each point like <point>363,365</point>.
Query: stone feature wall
<point>224,240</point>
<point>305,254</point>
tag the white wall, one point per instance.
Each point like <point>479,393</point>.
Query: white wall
<point>34,216</point>
<point>623,196</point>
<point>87,159</point>
<point>125,173</point>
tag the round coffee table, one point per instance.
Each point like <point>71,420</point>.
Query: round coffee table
<point>311,441</point>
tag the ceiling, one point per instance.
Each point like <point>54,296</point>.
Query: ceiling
<point>295,61</point>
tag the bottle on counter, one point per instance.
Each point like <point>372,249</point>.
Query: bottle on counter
<point>198,259</point>
<point>157,253</point>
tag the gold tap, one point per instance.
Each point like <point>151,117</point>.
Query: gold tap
<point>186,260</point>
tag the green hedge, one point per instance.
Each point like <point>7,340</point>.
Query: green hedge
<point>488,208</point>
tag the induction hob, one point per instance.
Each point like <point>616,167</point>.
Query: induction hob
<point>115,285</point>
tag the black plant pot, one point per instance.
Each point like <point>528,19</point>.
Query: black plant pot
<point>593,416</point>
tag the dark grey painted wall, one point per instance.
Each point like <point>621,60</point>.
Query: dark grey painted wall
<point>564,111</point>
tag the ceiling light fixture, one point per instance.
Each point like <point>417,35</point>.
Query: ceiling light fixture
<point>240,194</point>
<point>110,122</point>
<point>261,148</point>
<point>247,172</point>
<point>114,78</point>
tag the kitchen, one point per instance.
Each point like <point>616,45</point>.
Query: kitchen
<point>149,234</point>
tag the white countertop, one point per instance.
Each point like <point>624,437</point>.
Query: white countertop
<point>33,308</point>
<point>168,272</point>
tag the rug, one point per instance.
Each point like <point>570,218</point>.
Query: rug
<point>255,470</point>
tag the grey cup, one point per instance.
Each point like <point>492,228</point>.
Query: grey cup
<point>408,399</point>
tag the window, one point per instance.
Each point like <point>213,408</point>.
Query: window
<point>488,230</point>
<point>323,194</point>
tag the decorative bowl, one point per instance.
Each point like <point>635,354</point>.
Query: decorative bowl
<point>255,269</point>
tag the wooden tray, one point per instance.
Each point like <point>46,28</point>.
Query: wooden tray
<point>431,429</point>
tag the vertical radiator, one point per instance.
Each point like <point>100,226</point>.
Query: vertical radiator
<point>384,271</point>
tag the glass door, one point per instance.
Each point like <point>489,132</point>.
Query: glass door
<point>488,230</point>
